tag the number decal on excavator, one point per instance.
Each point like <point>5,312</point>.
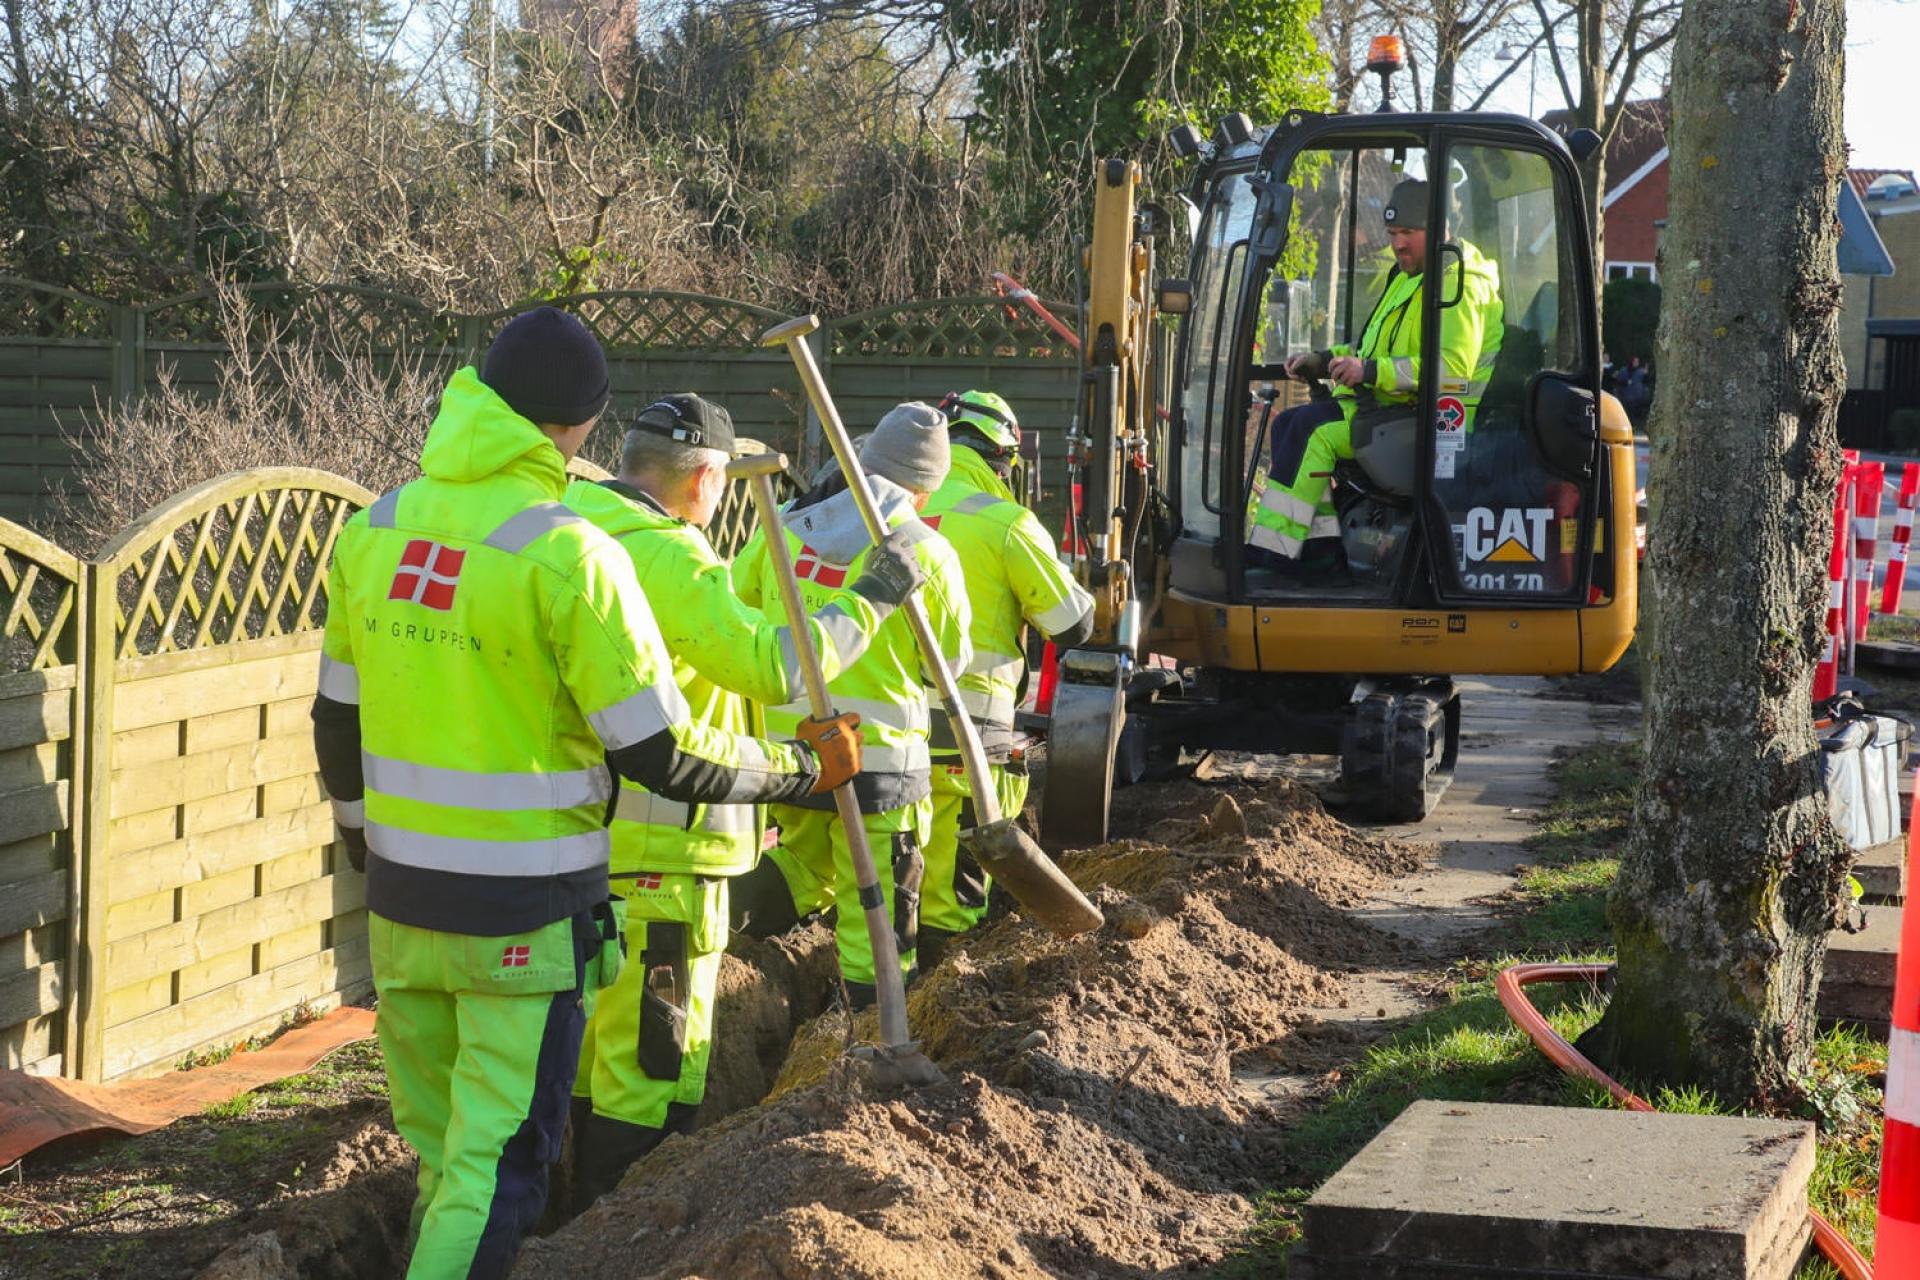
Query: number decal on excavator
<point>1504,581</point>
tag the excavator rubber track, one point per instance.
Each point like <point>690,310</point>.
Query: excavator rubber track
<point>1399,749</point>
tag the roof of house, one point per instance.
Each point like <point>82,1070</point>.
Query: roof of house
<point>1862,252</point>
<point>1862,179</point>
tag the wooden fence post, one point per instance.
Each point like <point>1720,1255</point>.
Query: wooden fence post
<point>93,756</point>
<point>128,377</point>
<point>473,334</point>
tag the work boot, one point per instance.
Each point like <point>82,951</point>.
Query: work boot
<point>605,1148</point>
<point>760,904</point>
<point>933,948</point>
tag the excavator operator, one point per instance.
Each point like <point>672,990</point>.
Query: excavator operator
<point>1294,529</point>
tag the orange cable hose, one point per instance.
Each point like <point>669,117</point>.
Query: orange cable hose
<point>1507,984</point>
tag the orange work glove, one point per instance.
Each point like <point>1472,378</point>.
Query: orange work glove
<point>835,743</point>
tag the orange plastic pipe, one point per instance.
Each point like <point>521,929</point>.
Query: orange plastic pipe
<point>1834,1246</point>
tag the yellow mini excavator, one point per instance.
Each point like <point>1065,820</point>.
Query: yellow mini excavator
<point>1486,524</point>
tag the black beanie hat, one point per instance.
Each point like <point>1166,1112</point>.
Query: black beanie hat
<point>1407,206</point>
<point>548,368</point>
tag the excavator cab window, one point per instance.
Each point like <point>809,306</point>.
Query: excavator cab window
<point>1513,430</point>
<point>1207,398</point>
<point>1443,443</point>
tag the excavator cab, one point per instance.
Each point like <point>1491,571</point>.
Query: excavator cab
<point>1471,473</point>
<point>1477,488</point>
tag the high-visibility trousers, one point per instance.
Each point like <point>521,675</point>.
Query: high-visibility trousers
<point>954,894</point>
<point>1293,500</point>
<point>481,1037</point>
<point>812,857</point>
<point>651,1033</point>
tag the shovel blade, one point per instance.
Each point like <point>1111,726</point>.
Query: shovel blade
<point>1010,856</point>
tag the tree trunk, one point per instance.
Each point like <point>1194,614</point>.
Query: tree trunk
<point>1733,873</point>
<point>1446,58</point>
<point>1590,112</point>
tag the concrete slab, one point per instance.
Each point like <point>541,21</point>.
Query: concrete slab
<point>1882,871</point>
<point>1857,985</point>
<point>1456,1189</point>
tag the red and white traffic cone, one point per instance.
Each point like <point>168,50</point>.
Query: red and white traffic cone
<point>1896,1246</point>
<point>1902,532</point>
<point>1826,675</point>
<point>1870,483</point>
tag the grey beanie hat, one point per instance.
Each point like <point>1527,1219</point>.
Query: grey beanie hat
<point>909,447</point>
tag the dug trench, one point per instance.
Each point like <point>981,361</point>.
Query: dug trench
<point>1090,1125</point>
<point>1095,1120</point>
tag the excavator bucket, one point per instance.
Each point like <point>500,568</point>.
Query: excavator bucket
<point>1010,856</point>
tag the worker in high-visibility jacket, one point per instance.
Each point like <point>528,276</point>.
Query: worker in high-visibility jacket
<point>643,1063</point>
<point>809,870</point>
<point>488,657</point>
<point>1293,527</point>
<point>1014,580</point>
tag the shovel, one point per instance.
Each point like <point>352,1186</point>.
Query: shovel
<point>899,1059</point>
<point>1007,853</point>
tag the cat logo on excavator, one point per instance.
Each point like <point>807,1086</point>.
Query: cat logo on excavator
<point>1512,535</point>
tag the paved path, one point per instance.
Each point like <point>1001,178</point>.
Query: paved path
<point>1508,737</point>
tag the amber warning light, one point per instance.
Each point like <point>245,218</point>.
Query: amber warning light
<point>1386,53</point>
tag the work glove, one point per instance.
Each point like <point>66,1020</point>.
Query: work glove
<point>890,574</point>
<point>1308,365</point>
<point>835,743</point>
<point>355,839</point>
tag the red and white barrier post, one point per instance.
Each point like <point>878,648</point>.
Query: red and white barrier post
<point>1870,483</point>
<point>1902,532</point>
<point>1896,1250</point>
<point>1826,675</point>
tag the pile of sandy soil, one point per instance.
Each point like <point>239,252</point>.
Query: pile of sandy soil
<point>1090,1124</point>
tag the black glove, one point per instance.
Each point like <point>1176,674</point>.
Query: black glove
<point>891,573</point>
<point>355,838</point>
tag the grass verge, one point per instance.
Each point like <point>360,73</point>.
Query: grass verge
<point>1468,1050</point>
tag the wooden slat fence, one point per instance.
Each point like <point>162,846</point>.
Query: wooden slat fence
<point>41,661</point>
<point>169,881</point>
<point>62,354</point>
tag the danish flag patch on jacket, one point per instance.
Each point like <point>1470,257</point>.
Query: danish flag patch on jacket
<point>810,567</point>
<point>515,957</point>
<point>428,574</point>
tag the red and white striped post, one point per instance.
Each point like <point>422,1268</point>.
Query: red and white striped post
<point>1896,1248</point>
<point>1902,532</point>
<point>1870,483</point>
<point>1826,675</point>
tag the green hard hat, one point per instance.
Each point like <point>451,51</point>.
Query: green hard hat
<point>986,413</point>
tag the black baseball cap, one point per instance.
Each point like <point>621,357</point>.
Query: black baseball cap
<point>687,418</point>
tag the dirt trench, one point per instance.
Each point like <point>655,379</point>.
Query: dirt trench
<point>1090,1125</point>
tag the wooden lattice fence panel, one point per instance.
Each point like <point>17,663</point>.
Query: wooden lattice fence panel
<point>358,319</point>
<point>665,320</point>
<point>29,309</point>
<point>217,899</point>
<point>40,593</point>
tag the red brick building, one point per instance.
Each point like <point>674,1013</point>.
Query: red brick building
<point>1635,205</point>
